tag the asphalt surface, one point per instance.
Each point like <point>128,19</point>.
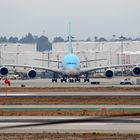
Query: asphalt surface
<point>69,125</point>
<point>121,126</point>
<point>115,81</point>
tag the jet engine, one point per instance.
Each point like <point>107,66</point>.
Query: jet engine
<point>109,73</point>
<point>3,71</point>
<point>32,73</point>
<point>136,70</point>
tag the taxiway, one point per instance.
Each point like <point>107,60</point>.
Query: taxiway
<point>115,81</point>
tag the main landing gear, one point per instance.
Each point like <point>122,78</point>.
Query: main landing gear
<point>77,80</point>
<point>54,78</point>
<point>70,80</point>
<point>63,80</point>
<point>86,80</point>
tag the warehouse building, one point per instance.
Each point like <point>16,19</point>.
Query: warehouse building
<point>112,53</point>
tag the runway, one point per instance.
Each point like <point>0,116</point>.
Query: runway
<point>123,125</point>
<point>39,94</point>
<point>69,125</point>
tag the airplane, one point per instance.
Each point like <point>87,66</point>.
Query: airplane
<point>71,67</point>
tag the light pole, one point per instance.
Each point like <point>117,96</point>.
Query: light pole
<point>96,58</point>
<point>17,54</point>
<point>110,52</point>
<point>86,62</point>
<point>43,58</point>
<point>122,56</point>
<point>57,56</point>
<point>48,59</point>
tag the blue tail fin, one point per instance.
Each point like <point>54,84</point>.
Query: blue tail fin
<point>70,50</point>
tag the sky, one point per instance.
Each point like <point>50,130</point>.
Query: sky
<point>88,18</point>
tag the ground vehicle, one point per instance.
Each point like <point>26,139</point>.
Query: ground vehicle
<point>127,81</point>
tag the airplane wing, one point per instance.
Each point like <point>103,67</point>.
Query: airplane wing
<point>86,70</point>
<point>33,67</point>
<point>57,61</point>
<point>91,60</point>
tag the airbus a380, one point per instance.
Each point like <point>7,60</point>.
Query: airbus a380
<point>71,68</point>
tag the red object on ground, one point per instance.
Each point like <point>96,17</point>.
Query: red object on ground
<point>7,82</point>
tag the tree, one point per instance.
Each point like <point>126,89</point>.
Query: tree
<point>114,37</point>
<point>122,38</point>
<point>27,39</point>
<point>3,39</point>
<point>95,38</point>
<point>88,39</point>
<point>13,39</point>
<point>58,39</point>
<point>102,39</point>
<point>43,44</point>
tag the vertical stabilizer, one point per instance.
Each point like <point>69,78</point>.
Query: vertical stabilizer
<point>70,50</point>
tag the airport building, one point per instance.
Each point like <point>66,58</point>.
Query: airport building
<point>127,52</point>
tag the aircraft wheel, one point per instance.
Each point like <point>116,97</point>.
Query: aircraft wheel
<point>77,80</point>
<point>54,80</point>
<point>63,80</point>
<point>71,80</point>
<point>86,80</point>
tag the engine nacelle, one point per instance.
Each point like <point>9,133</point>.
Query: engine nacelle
<point>32,73</point>
<point>136,70</point>
<point>3,71</point>
<point>109,73</point>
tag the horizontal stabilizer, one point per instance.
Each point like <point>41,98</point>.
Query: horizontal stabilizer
<point>92,60</point>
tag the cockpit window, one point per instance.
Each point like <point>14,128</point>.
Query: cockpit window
<point>71,63</point>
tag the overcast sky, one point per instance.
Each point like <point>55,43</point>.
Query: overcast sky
<point>89,18</point>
